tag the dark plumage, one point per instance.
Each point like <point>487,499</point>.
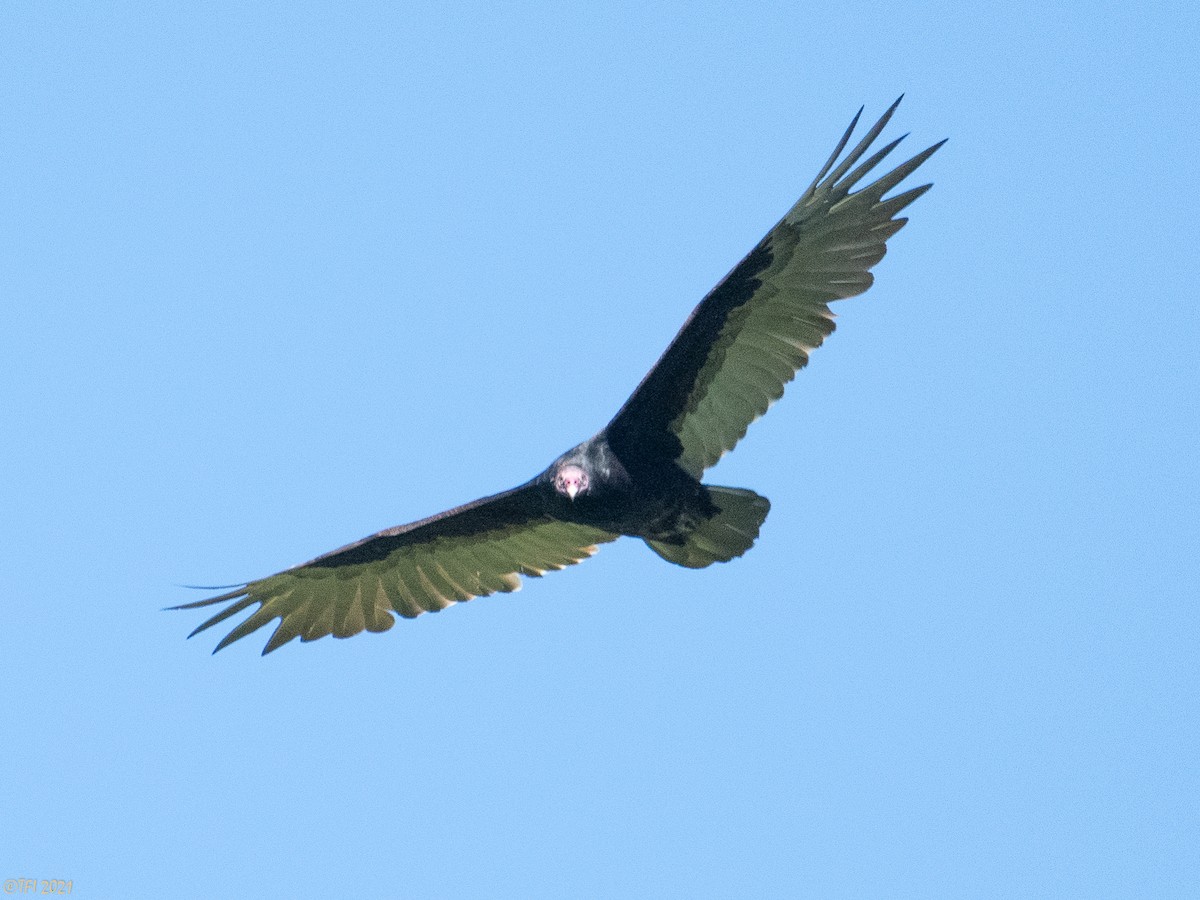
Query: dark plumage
<point>640,476</point>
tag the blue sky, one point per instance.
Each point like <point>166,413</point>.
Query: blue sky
<point>275,276</point>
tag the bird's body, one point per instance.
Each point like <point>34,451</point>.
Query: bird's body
<point>640,476</point>
<point>649,502</point>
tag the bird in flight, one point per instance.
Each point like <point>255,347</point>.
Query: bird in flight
<point>640,475</point>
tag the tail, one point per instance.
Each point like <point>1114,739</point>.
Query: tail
<point>728,534</point>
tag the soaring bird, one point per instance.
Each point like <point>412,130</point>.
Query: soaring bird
<point>640,475</point>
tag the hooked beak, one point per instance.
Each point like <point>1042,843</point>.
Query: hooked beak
<point>572,490</point>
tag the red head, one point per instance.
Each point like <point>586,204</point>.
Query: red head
<point>571,480</point>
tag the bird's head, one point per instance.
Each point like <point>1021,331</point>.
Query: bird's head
<point>571,480</point>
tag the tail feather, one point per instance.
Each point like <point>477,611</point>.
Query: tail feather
<point>728,534</point>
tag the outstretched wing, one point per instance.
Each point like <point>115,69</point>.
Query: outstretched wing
<point>755,330</point>
<point>471,551</point>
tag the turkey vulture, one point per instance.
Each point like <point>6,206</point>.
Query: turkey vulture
<point>640,476</point>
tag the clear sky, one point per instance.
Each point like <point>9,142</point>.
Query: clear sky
<point>276,276</point>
